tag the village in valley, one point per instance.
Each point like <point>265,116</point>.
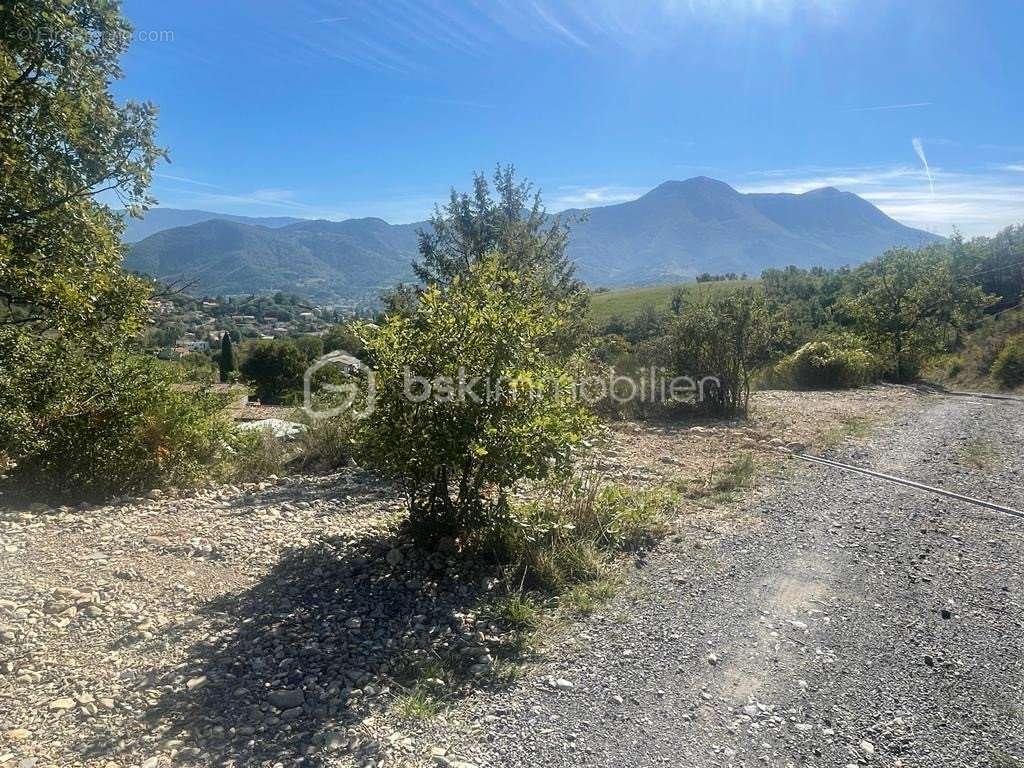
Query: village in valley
<point>182,325</point>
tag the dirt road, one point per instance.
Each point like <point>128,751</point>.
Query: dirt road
<point>852,622</point>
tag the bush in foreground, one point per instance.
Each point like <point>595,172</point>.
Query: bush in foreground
<point>839,362</point>
<point>458,453</point>
<point>726,337</point>
<point>92,428</point>
<point>1008,368</point>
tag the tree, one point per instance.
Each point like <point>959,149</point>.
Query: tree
<point>905,303</point>
<point>228,361</point>
<point>809,295</point>
<point>311,347</point>
<point>65,303</point>
<point>513,224</point>
<point>725,337</point>
<point>995,264</point>
<point>459,449</point>
<point>343,336</point>
<point>275,369</point>
<point>167,336</point>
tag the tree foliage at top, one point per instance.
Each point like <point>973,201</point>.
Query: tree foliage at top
<point>63,140</point>
<point>512,222</point>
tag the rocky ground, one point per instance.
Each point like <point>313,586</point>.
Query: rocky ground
<point>828,621</point>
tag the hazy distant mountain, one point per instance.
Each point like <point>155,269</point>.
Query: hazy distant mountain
<point>158,219</point>
<point>674,232</point>
<point>682,228</point>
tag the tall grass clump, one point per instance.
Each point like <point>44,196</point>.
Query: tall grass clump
<point>257,454</point>
<point>571,532</point>
<point>326,443</point>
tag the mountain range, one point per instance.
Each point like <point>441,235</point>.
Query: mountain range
<point>158,219</point>
<point>674,232</point>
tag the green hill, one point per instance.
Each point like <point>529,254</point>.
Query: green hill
<point>630,302</point>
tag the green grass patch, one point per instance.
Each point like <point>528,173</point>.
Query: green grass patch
<point>848,427</point>
<point>737,475</point>
<point>561,555</point>
<point>518,610</point>
<point>572,530</point>
<point>631,302</point>
<point>417,703</point>
<point>721,486</point>
<point>586,598</point>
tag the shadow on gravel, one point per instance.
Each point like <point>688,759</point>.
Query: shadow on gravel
<point>292,666</point>
<point>353,487</point>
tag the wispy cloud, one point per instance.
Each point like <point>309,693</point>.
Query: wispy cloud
<point>911,105</point>
<point>397,208</point>
<point>588,197</point>
<point>1016,167</point>
<point>800,180</point>
<point>258,202</point>
<point>185,180</point>
<point>407,36</point>
<point>919,150</point>
<point>548,17</point>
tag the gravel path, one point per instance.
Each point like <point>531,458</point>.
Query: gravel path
<point>849,622</point>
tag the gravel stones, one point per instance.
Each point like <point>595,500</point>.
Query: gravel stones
<point>286,699</point>
<point>271,624</point>
<point>825,601</point>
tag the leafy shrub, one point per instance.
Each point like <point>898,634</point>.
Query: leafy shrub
<point>1008,368</point>
<point>459,453</point>
<point>839,362</point>
<point>95,427</point>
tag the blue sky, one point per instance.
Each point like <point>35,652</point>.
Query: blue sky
<point>347,108</point>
